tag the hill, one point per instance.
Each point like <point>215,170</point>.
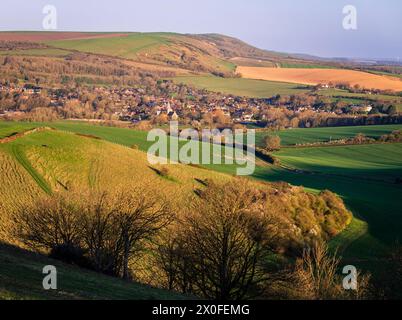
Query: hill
<point>21,278</point>
<point>205,53</point>
<point>65,156</point>
<point>189,54</point>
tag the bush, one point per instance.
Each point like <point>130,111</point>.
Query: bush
<point>71,254</point>
<point>272,143</point>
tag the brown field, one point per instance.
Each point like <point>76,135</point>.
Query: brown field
<point>316,76</point>
<point>49,36</point>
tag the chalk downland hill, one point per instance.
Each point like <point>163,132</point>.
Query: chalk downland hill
<point>195,55</point>
<point>47,161</point>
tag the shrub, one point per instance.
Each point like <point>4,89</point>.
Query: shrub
<point>272,143</point>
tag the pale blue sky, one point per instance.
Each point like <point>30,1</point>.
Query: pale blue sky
<point>297,26</point>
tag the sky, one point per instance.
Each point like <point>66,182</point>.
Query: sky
<point>294,26</point>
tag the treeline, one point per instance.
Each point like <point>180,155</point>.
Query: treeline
<point>232,241</point>
<point>74,68</point>
<point>281,118</point>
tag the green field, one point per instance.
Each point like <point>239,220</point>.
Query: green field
<point>301,136</point>
<point>125,46</point>
<point>9,128</point>
<point>242,87</point>
<point>358,98</point>
<point>304,66</point>
<point>364,176</point>
<point>381,162</point>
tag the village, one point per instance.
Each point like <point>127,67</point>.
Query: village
<point>136,105</point>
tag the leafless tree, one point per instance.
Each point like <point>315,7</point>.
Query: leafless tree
<point>221,243</point>
<point>49,223</point>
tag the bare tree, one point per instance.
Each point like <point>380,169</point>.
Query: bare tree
<point>315,273</point>
<point>222,241</point>
<point>108,228</point>
<point>139,217</point>
<point>49,223</point>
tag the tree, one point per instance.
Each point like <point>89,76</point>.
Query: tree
<point>315,276</point>
<point>392,110</point>
<point>272,143</point>
<point>107,229</point>
<point>49,223</point>
<point>139,216</point>
<point>221,244</point>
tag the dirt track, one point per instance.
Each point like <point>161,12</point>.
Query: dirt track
<point>324,76</point>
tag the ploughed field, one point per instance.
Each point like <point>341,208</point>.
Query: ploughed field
<point>324,76</point>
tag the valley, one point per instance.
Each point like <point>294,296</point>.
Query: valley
<point>76,110</point>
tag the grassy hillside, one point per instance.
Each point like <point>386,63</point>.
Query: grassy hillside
<point>242,87</point>
<point>21,278</point>
<point>362,175</point>
<point>171,49</point>
<point>125,46</point>
<point>202,53</point>
<point>47,161</point>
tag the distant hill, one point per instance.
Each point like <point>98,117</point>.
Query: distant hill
<point>204,53</point>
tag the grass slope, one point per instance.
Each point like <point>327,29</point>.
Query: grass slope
<point>21,278</point>
<point>125,46</point>
<point>361,174</point>
<point>156,48</point>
